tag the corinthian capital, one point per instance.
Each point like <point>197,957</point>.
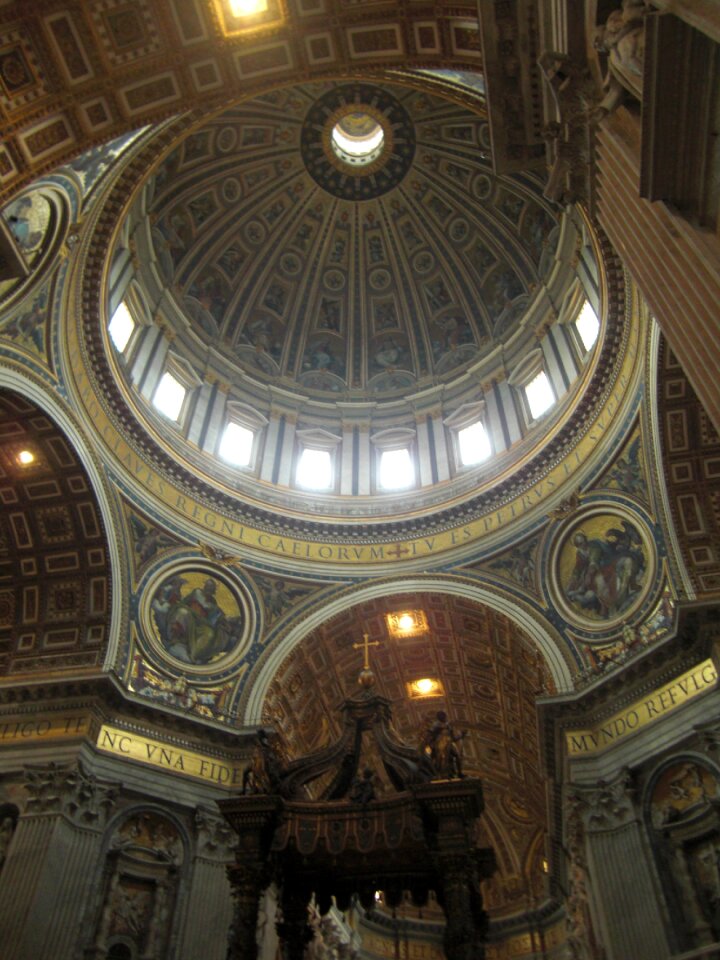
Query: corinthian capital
<point>604,805</point>
<point>68,790</point>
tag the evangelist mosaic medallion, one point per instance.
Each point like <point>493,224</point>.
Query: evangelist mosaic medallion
<point>197,618</point>
<point>604,566</point>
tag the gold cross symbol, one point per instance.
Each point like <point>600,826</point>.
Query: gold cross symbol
<point>366,644</point>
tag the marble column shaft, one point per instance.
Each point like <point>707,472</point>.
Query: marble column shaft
<point>44,886</point>
<point>627,902</point>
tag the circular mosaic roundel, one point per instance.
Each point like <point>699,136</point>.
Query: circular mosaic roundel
<point>604,567</point>
<point>196,618</point>
<point>334,172</point>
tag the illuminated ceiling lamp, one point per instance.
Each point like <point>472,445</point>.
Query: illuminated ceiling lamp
<point>25,458</point>
<point>406,623</point>
<point>425,687</point>
<point>247,8</point>
<point>249,16</point>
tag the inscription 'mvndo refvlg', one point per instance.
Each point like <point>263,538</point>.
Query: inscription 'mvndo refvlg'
<point>642,712</point>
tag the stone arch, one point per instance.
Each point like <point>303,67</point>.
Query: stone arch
<point>33,392</point>
<point>545,637</point>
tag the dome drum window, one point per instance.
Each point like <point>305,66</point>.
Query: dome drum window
<point>316,460</point>
<point>532,383</point>
<point>395,460</point>
<point>238,431</point>
<point>121,327</point>
<point>587,326</point>
<point>236,445</point>
<point>169,396</point>
<point>471,439</point>
<point>174,389</point>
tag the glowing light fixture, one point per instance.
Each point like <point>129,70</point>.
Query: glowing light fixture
<point>25,458</point>
<point>425,687</point>
<point>246,8</point>
<point>406,623</point>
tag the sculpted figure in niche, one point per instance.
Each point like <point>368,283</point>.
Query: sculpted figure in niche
<point>622,38</point>
<point>440,747</point>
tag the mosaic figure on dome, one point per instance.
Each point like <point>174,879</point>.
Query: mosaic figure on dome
<point>453,332</point>
<point>627,473</point>
<point>28,327</point>
<point>193,626</point>
<point>148,538</point>
<point>389,354</point>
<point>608,571</point>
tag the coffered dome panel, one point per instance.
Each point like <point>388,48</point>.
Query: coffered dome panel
<point>334,271</point>
<point>270,261</point>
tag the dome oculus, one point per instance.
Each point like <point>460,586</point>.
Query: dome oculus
<point>357,141</point>
<point>357,138</point>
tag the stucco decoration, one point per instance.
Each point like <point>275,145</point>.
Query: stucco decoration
<point>603,567</point>
<point>195,619</point>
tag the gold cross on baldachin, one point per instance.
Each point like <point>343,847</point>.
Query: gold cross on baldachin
<point>366,644</point>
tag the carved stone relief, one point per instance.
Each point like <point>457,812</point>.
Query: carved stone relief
<point>140,887</point>
<point>684,824</point>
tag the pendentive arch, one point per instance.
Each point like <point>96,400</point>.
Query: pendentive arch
<point>546,639</point>
<point>27,387</point>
